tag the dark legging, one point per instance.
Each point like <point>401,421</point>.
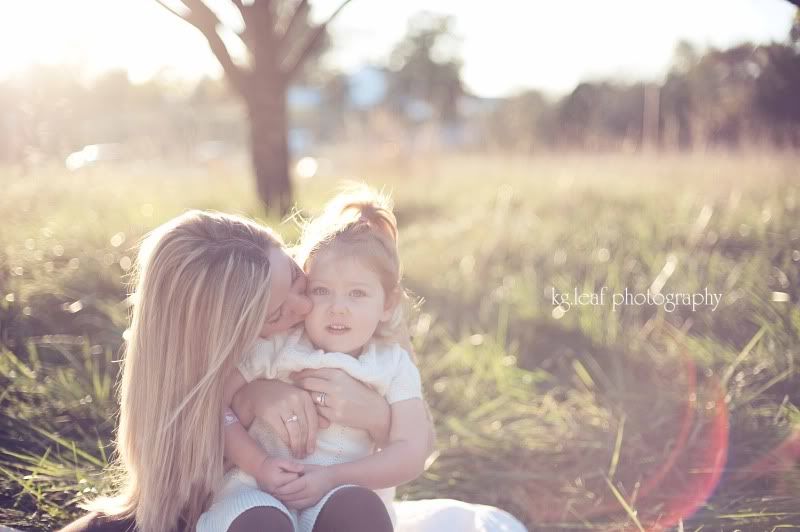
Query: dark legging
<point>350,509</point>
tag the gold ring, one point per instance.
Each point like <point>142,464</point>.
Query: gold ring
<point>321,398</point>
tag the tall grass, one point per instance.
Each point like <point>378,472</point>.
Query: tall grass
<point>591,417</point>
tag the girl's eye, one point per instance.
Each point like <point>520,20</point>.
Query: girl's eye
<point>319,291</point>
<point>358,293</point>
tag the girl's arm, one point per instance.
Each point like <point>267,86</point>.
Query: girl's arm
<point>240,447</point>
<point>401,460</point>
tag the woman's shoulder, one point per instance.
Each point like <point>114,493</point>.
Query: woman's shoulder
<point>97,522</point>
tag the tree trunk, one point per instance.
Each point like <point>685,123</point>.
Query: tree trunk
<point>269,147</point>
<point>265,96</point>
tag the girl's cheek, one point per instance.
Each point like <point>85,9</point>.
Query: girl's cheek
<point>319,300</point>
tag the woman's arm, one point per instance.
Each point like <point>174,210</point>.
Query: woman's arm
<point>272,401</point>
<point>240,447</point>
<point>347,401</point>
<point>243,450</point>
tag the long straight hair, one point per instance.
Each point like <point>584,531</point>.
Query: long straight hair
<point>202,287</point>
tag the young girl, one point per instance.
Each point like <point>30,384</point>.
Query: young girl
<point>350,256</point>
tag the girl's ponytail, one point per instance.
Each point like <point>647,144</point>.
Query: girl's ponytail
<point>375,215</point>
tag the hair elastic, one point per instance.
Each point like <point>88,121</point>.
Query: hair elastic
<point>229,417</point>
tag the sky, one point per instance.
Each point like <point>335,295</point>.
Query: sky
<point>506,45</point>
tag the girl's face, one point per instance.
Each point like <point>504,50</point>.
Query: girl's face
<point>288,303</point>
<point>349,303</point>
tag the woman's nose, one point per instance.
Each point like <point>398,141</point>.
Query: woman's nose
<point>301,304</point>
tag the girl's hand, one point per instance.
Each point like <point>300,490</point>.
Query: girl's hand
<point>274,473</point>
<point>273,402</point>
<point>346,401</point>
<point>307,490</point>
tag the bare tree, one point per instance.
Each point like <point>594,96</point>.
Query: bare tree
<point>279,40</point>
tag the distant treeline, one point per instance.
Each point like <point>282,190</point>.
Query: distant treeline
<point>748,95</point>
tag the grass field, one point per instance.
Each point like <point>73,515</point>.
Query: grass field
<point>596,416</point>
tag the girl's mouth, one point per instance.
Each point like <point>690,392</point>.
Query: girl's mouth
<point>337,329</point>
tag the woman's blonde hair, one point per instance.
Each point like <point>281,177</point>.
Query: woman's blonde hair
<point>202,287</point>
<point>359,222</point>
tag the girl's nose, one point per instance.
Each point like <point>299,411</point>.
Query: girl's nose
<point>337,306</point>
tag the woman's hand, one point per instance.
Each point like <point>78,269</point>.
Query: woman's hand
<point>277,403</point>
<point>346,401</point>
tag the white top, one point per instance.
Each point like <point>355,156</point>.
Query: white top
<point>387,368</point>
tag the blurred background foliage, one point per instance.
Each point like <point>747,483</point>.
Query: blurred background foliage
<point>741,97</point>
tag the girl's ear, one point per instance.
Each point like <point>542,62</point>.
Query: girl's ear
<point>392,299</point>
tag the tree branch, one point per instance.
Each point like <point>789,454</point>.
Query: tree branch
<point>246,34</point>
<point>308,47</point>
<point>297,17</point>
<point>206,21</point>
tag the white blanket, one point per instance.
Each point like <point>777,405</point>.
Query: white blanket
<point>445,515</point>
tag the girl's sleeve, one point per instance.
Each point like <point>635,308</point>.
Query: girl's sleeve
<point>259,361</point>
<point>406,382</point>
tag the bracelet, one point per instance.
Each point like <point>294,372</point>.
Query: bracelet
<point>229,417</point>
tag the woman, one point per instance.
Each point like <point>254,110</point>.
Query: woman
<point>208,285</point>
